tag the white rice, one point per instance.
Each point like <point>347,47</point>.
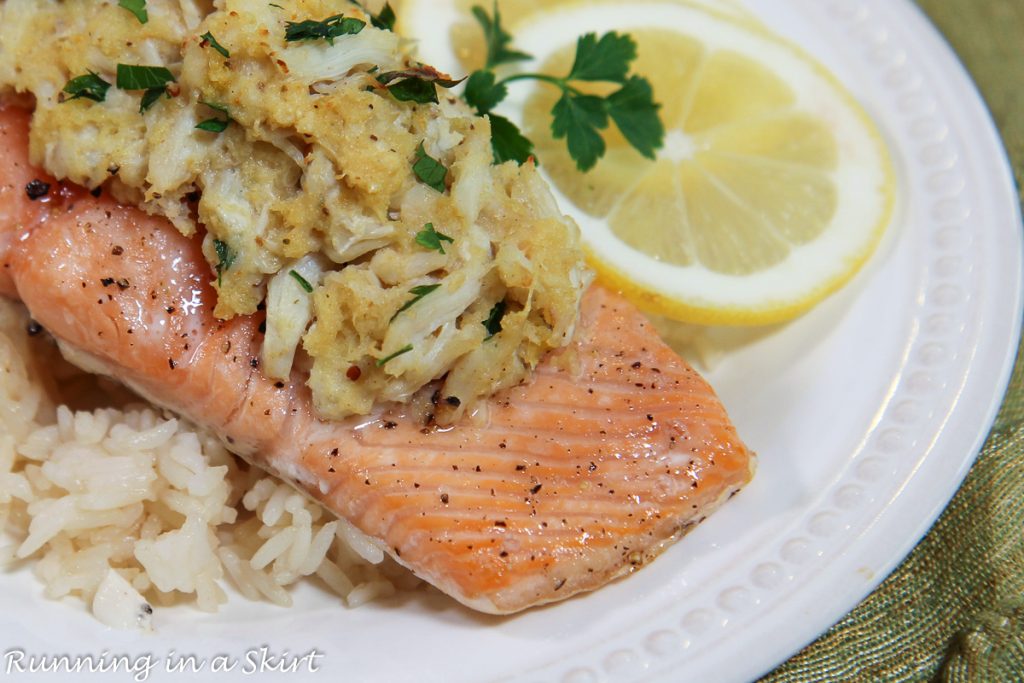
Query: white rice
<point>127,507</point>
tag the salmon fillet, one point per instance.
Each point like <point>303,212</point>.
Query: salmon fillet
<point>613,450</point>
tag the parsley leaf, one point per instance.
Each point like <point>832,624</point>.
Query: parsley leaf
<point>578,118</point>
<point>507,142</point>
<point>386,359</point>
<point>216,107</point>
<point>150,97</point>
<point>416,85</point>
<point>499,41</point>
<point>429,170</point>
<point>303,282</point>
<point>208,39</point>
<point>225,258</point>
<point>418,293</point>
<point>414,90</point>
<point>90,86</point>
<point>131,77</point>
<point>493,322</point>
<point>428,238</point>
<point>385,21</point>
<point>215,125</point>
<point>483,93</point>
<point>635,113</point>
<point>152,79</point>
<point>604,59</point>
<point>328,29</point>
<point>136,7</point>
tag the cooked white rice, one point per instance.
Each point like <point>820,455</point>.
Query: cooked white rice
<point>127,507</point>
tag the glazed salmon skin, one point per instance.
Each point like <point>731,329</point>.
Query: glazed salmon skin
<point>585,473</point>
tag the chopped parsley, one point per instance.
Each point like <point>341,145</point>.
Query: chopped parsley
<point>428,238</point>
<point>418,293</point>
<point>303,282</point>
<point>216,107</point>
<point>150,97</point>
<point>415,90</point>
<point>387,359</point>
<point>153,79</point>
<point>429,170</point>
<point>132,77</point>
<point>416,85</point>
<point>327,29</point>
<point>215,125</point>
<point>225,258</point>
<point>578,117</point>
<point>90,87</point>
<point>385,20</point>
<point>208,39</point>
<point>493,322</point>
<point>136,7</point>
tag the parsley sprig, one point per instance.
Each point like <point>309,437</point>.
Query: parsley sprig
<point>578,117</point>
<point>499,41</point>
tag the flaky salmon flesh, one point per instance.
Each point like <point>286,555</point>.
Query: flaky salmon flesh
<point>613,450</point>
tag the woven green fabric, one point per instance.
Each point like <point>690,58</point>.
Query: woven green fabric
<point>954,610</point>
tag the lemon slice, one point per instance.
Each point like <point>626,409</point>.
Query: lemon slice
<point>773,187</point>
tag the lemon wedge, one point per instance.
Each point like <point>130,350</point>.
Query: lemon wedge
<point>772,189</point>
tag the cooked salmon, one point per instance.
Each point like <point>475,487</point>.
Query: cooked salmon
<point>613,450</point>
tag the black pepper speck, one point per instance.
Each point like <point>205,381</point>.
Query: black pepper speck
<point>36,189</point>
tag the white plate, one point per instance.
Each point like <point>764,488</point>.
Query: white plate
<point>866,414</point>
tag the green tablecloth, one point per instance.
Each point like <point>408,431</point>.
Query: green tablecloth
<point>954,611</point>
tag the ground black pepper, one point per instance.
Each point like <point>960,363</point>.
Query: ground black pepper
<point>36,189</point>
